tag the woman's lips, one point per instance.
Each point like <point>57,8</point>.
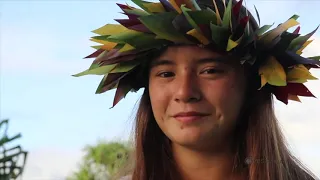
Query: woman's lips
<point>187,117</point>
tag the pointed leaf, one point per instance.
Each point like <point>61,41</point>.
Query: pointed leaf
<point>204,16</point>
<point>304,46</point>
<point>299,41</point>
<point>125,66</point>
<point>231,44</point>
<point>314,58</point>
<point>154,7</point>
<point>97,71</point>
<point>195,5</point>
<point>271,35</point>
<point>219,21</point>
<point>167,6</point>
<point>123,88</point>
<point>257,14</point>
<point>109,82</point>
<point>299,74</point>
<point>236,9</point>
<point>140,3</point>
<point>95,54</point>
<point>297,30</point>
<point>137,12</point>
<point>126,47</point>
<point>227,15</point>
<point>188,17</point>
<point>198,35</point>
<point>219,34</point>
<point>110,29</point>
<point>162,26</point>
<point>273,71</point>
<point>175,6</point>
<point>293,98</point>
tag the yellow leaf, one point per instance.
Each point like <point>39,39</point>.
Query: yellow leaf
<point>293,98</point>
<point>271,35</point>
<point>110,29</point>
<point>99,41</point>
<point>263,81</point>
<point>109,45</point>
<point>154,7</point>
<point>126,47</point>
<point>303,47</point>
<point>198,36</point>
<point>219,21</point>
<point>175,6</point>
<point>231,44</point>
<point>299,74</point>
<point>273,72</point>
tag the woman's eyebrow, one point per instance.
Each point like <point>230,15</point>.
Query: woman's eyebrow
<point>161,62</point>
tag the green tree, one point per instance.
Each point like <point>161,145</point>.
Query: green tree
<point>11,166</point>
<point>102,161</point>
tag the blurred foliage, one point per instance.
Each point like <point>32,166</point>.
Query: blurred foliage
<point>102,161</point>
<point>12,157</point>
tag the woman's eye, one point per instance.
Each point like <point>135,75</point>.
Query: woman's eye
<point>165,74</point>
<point>212,71</point>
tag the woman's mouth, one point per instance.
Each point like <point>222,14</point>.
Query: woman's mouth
<point>188,117</point>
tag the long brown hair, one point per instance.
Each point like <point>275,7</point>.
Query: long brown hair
<point>261,150</point>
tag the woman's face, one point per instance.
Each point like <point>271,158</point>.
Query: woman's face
<point>195,97</point>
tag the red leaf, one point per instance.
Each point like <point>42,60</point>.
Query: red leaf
<point>297,30</point>
<point>244,21</point>
<point>298,89</point>
<point>128,22</point>
<point>236,9</point>
<point>140,28</point>
<point>111,81</point>
<point>95,54</point>
<point>167,6</point>
<point>122,6</point>
<point>122,90</point>
<point>281,93</point>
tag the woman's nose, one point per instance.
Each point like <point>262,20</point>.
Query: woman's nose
<point>187,89</point>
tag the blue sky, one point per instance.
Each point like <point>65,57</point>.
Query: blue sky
<point>42,43</point>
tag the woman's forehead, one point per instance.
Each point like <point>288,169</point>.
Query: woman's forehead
<point>189,54</point>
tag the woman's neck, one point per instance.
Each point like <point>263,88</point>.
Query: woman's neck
<point>199,165</point>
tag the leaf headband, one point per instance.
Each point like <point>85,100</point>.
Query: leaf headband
<point>127,47</point>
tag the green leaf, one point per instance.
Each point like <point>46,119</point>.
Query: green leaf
<point>125,66</point>
<point>220,35</point>
<point>195,4</point>
<point>227,16</point>
<point>271,35</point>
<point>257,14</point>
<point>140,4</point>
<point>295,17</point>
<point>263,29</point>
<point>161,25</point>
<point>299,41</point>
<point>97,71</point>
<point>110,29</point>
<point>314,57</point>
<point>188,17</point>
<point>136,39</point>
<point>204,16</point>
<point>96,47</point>
<point>137,12</point>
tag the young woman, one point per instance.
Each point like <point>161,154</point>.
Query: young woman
<point>209,74</point>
